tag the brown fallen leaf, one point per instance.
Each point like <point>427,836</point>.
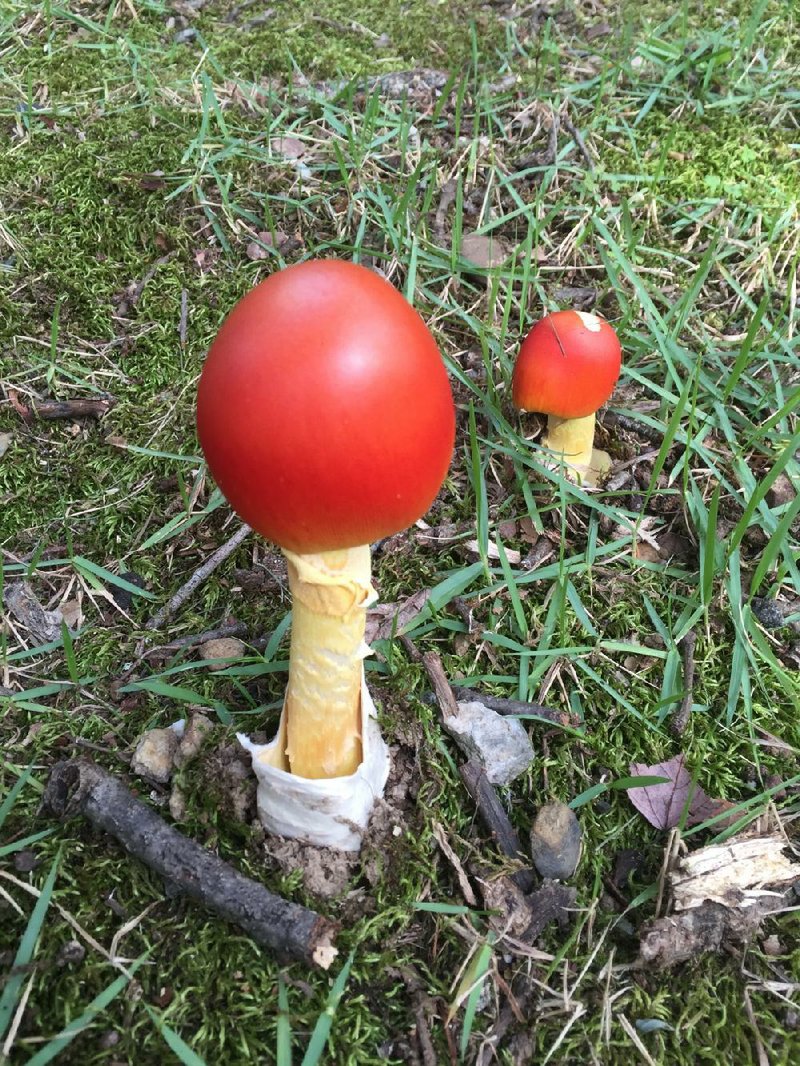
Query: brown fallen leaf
<point>289,147</point>
<point>484,251</point>
<point>527,530</point>
<point>663,805</point>
<point>386,619</point>
<point>645,552</point>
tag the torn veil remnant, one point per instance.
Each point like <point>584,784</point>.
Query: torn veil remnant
<point>358,439</point>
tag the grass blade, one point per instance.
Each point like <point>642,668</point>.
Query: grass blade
<point>319,1038</point>
<point>77,1025</point>
<point>26,949</point>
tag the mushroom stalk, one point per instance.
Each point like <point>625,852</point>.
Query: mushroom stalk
<point>572,439</point>
<point>331,592</point>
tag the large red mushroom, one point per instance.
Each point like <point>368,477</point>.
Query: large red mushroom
<point>326,417</point>
<point>567,368</point>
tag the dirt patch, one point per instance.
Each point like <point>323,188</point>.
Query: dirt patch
<point>229,778</point>
<point>329,874</point>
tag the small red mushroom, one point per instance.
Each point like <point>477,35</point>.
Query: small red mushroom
<point>567,368</point>
<point>326,417</point>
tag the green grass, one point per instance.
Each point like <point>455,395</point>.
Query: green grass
<point>137,159</point>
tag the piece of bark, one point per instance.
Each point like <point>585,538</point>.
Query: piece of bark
<point>737,873</point>
<point>666,942</point>
<point>495,818</point>
<point>50,410</point>
<point>551,902</point>
<point>78,786</point>
<point>43,625</point>
<point>513,914</point>
<point>441,686</point>
<point>721,893</point>
<point>506,706</point>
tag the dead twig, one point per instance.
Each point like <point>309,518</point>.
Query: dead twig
<point>495,818</point>
<point>50,410</point>
<point>681,717</point>
<point>446,199</point>
<point>237,629</point>
<point>441,686</point>
<point>577,137</point>
<point>197,578</point>
<point>505,706</point>
<point>184,317</point>
<point>79,787</point>
<point>631,425</point>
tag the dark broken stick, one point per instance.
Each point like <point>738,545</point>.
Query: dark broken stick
<point>53,409</point>
<point>198,577</point>
<point>681,717</point>
<point>237,629</point>
<point>78,786</point>
<point>519,707</point>
<point>495,818</point>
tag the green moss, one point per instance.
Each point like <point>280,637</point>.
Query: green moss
<point>731,158</point>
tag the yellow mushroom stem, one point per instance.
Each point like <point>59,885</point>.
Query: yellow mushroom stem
<point>330,595</point>
<point>573,439</point>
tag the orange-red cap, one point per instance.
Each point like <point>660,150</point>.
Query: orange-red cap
<point>567,365</point>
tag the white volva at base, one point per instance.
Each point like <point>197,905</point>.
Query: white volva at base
<point>329,812</point>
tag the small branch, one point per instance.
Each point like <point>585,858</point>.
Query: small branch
<point>184,317</point>
<point>681,717</point>
<point>495,818</point>
<point>446,199</point>
<point>632,425</point>
<point>577,137</point>
<point>441,686</point>
<point>50,410</point>
<point>78,786</point>
<point>197,578</point>
<point>510,707</point>
<point>238,629</point>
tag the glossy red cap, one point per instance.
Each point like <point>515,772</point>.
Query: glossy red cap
<point>324,409</point>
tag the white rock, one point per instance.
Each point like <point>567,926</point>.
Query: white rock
<point>500,744</point>
<point>154,755</point>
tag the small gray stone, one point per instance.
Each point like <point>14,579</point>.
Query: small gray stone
<point>556,841</point>
<point>192,739</point>
<point>500,744</point>
<point>177,804</point>
<point>154,755</point>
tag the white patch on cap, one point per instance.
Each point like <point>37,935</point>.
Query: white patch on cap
<point>592,322</point>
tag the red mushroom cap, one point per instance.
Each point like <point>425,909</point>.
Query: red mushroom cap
<point>324,409</point>
<point>567,365</point>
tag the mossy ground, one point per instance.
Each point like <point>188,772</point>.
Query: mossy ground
<point>138,174</point>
